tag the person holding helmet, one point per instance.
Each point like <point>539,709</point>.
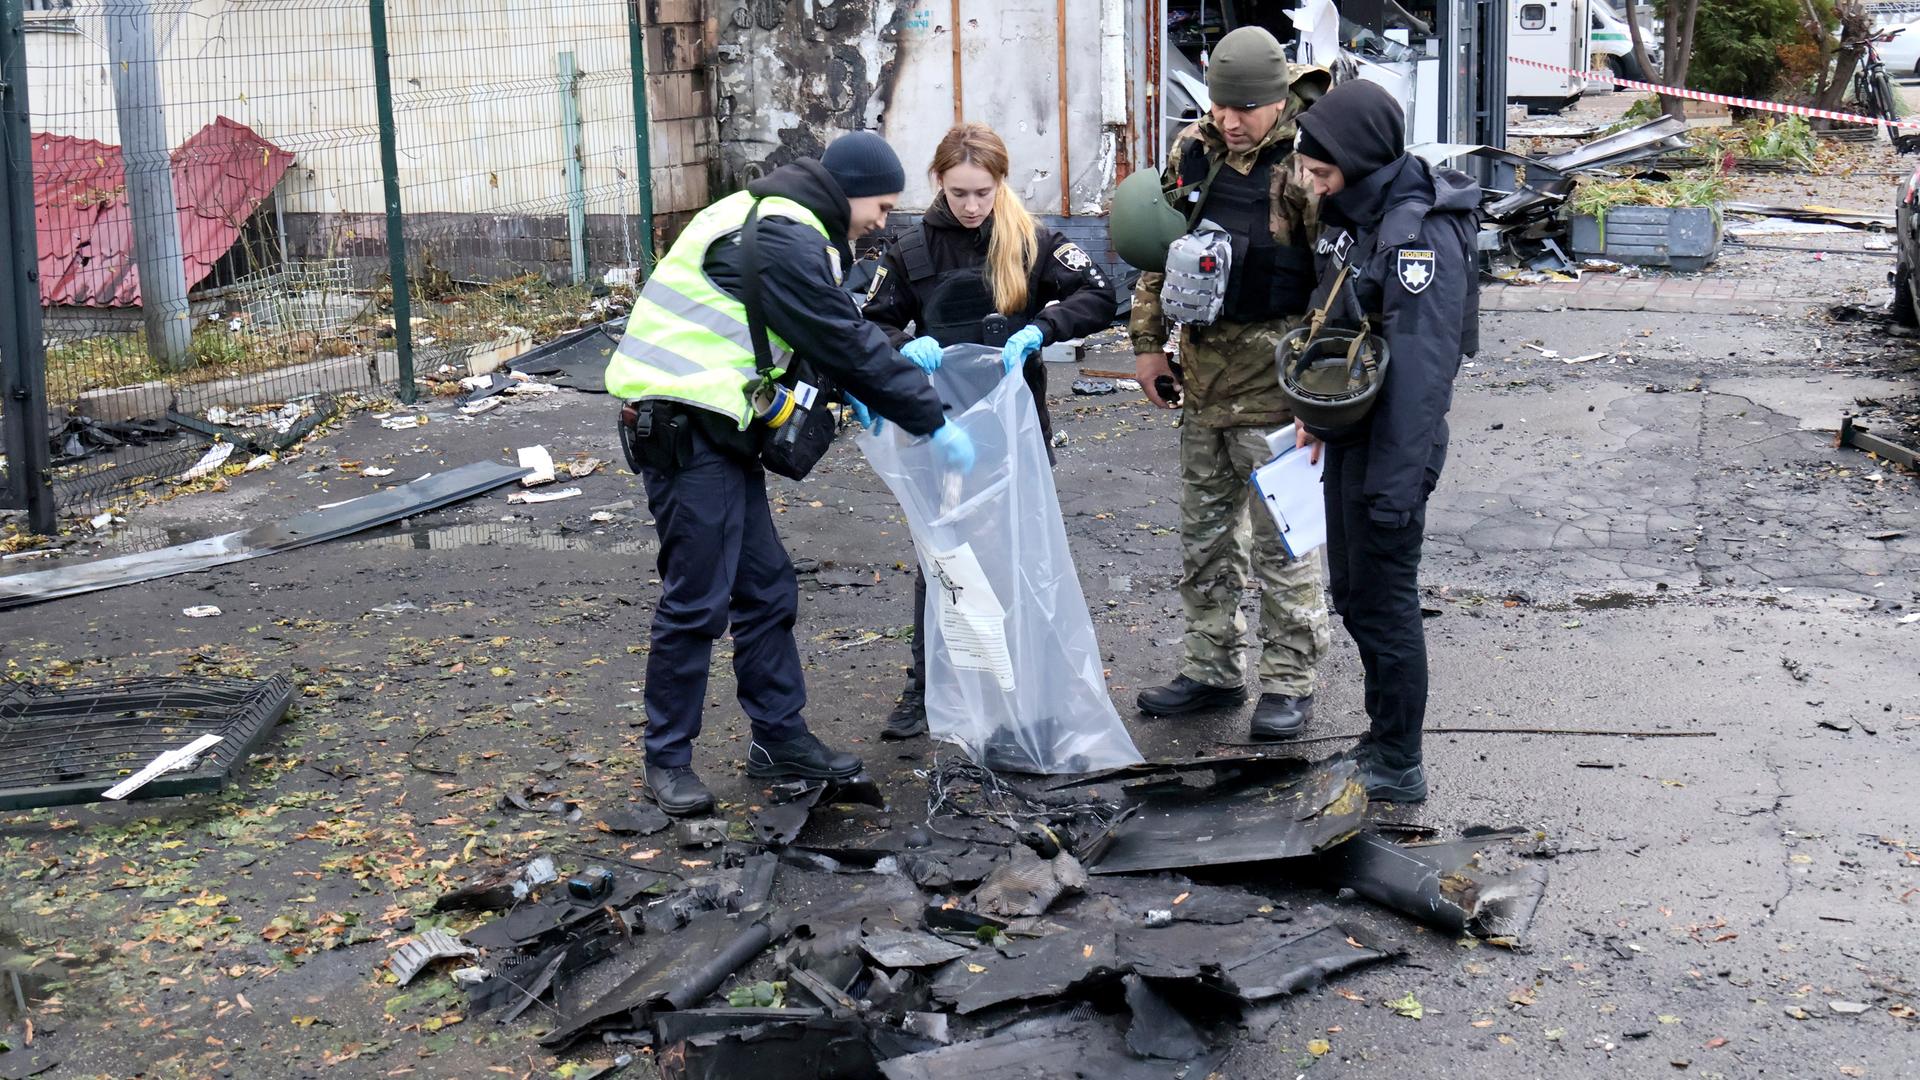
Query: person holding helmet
<point>757,271</point>
<point>1371,377</point>
<point>1230,264</point>
<point>978,269</point>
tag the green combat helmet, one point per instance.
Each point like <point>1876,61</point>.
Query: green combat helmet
<point>1143,225</point>
<point>1331,377</point>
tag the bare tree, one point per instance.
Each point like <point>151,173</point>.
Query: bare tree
<point>1839,51</point>
<point>1676,47</point>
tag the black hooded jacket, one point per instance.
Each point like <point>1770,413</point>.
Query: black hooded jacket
<point>1061,272</point>
<point>1407,230</point>
<point>804,304</point>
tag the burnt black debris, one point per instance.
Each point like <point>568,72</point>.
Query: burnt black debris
<point>1010,932</point>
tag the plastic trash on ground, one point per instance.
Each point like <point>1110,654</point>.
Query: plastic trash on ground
<point>1013,668</point>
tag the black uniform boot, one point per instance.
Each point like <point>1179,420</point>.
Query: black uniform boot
<point>1184,695</point>
<point>1278,716</point>
<point>1385,783</point>
<point>678,791</point>
<point>802,756</point>
<point>909,718</point>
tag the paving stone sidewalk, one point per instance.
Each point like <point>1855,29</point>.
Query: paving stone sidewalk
<point>1704,296</point>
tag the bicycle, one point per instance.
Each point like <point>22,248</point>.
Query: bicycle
<point>1872,85</point>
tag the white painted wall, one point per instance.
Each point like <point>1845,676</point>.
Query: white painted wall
<point>476,86</point>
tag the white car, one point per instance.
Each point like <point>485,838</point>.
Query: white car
<point>1902,54</point>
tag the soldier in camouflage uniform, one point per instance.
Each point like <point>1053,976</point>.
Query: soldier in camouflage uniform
<point>1238,163</point>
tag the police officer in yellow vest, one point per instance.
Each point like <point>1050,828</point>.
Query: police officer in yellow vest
<point>686,371</point>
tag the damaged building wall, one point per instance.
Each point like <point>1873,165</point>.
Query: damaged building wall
<point>793,74</point>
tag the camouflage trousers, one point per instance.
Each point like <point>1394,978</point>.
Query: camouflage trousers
<point>1216,538</point>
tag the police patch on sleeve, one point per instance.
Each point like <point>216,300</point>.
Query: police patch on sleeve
<point>833,259</point>
<point>879,279</point>
<point>1072,257</point>
<point>1415,268</point>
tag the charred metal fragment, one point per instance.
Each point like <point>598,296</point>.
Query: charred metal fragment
<point>905,949</point>
<point>1241,817</point>
<point>1252,961</point>
<point>1158,1030</point>
<point>712,947</point>
<point>1029,970</point>
<point>1480,886</point>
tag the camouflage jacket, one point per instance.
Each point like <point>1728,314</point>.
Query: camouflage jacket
<point>1230,379</point>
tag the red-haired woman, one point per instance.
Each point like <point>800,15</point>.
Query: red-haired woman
<point>978,253</point>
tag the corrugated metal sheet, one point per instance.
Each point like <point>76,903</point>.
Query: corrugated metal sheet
<point>220,176</point>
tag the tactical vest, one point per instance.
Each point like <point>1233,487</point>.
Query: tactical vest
<point>1267,280</point>
<point>687,340</point>
<point>954,306</point>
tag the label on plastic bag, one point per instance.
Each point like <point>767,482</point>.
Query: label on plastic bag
<point>973,623</point>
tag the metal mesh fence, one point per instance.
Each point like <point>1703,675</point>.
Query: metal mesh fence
<point>211,209</point>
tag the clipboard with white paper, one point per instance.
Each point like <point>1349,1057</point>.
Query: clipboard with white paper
<point>1289,487</point>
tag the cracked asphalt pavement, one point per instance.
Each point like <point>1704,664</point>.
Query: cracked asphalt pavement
<point>1664,540</point>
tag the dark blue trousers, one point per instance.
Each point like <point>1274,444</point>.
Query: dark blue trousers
<point>1373,578</point>
<point>721,566</point>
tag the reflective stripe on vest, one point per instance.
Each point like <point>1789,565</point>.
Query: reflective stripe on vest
<point>687,340</point>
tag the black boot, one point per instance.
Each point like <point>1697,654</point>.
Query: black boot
<point>1278,716</point>
<point>802,756</point>
<point>909,718</point>
<point>1384,783</point>
<point>678,791</point>
<point>1183,695</point>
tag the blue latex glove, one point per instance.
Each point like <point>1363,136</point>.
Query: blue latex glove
<point>862,415</point>
<point>923,351</point>
<point>1019,347</point>
<point>954,447</point>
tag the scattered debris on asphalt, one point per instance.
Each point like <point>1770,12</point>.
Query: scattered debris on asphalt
<point>538,463</point>
<point>76,744</point>
<point>1857,436</point>
<point>413,957</point>
<point>533,497</point>
<point>81,437</point>
<point>216,456</point>
<point>313,527</point>
<point>971,944</point>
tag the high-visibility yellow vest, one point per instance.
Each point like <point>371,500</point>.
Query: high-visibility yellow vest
<point>687,340</point>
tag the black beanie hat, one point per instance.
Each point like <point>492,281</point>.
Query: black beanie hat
<point>1358,126</point>
<point>1313,148</point>
<point>863,164</point>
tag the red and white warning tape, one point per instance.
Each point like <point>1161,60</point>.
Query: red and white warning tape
<point>1722,99</point>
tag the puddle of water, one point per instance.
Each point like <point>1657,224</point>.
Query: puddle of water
<point>500,534</point>
<point>633,540</point>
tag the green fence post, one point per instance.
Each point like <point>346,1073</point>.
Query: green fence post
<point>396,223</point>
<point>643,155</point>
<point>23,359</point>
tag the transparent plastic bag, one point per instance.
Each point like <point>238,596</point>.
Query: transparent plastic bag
<point>1013,668</point>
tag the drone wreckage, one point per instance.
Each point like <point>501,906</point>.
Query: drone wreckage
<point>1018,930</point>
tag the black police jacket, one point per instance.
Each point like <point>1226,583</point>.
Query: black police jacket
<point>803,302</point>
<point>941,288</point>
<point>1408,233</point>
